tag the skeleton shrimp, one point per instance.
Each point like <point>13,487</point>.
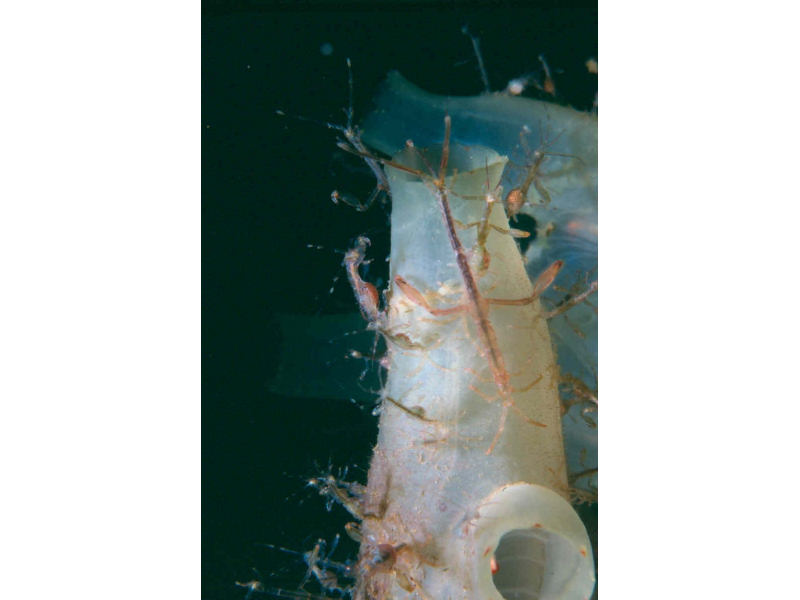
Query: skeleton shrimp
<point>476,305</point>
<point>352,143</point>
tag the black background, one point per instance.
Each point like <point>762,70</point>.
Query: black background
<point>266,184</point>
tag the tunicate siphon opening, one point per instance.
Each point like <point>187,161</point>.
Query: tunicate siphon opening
<point>533,564</point>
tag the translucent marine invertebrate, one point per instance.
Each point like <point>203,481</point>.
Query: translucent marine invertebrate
<point>440,516</point>
<point>434,491</point>
<point>561,144</point>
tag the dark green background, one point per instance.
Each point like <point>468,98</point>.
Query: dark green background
<point>266,183</point>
